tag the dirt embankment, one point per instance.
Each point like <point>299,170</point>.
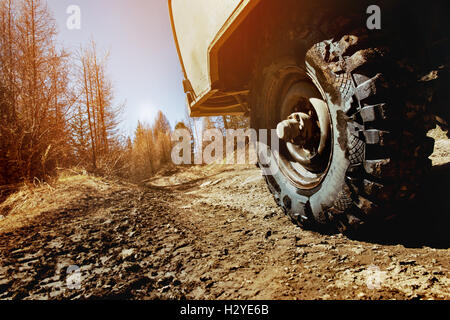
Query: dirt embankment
<point>212,233</point>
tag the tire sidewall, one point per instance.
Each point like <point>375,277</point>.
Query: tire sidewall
<point>311,204</point>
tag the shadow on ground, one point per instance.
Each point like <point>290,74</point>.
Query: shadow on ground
<point>426,222</point>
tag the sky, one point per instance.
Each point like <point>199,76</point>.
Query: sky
<point>143,63</point>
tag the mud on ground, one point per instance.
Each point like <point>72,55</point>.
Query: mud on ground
<point>213,233</point>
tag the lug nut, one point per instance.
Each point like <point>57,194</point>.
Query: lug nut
<point>289,129</point>
<point>297,124</point>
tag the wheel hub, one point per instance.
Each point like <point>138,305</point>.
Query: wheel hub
<point>305,129</point>
<point>299,126</point>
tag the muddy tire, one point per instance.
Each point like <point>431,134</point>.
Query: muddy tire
<point>378,151</point>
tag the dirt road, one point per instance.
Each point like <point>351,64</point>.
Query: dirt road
<point>213,233</point>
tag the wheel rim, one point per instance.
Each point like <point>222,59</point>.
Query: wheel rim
<point>305,134</point>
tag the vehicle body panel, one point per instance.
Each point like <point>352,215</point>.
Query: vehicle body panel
<point>218,41</point>
<point>196,26</point>
<point>200,28</point>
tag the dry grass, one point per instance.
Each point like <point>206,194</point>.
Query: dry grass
<point>32,200</point>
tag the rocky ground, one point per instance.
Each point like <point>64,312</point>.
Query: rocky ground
<point>211,233</point>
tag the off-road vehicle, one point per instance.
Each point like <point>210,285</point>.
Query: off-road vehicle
<point>351,87</point>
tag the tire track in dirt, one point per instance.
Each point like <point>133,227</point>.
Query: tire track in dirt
<point>220,236</point>
<point>269,258</point>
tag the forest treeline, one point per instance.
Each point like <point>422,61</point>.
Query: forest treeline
<point>57,107</point>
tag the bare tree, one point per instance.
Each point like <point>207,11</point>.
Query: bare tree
<point>33,74</point>
<point>95,118</point>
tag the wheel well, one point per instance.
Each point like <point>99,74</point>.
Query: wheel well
<point>238,55</point>
<point>274,19</point>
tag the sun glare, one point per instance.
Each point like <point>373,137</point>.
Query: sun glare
<point>146,112</point>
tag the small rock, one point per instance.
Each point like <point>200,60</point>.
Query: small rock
<point>391,267</point>
<point>204,278</point>
<point>2,217</point>
<point>438,272</point>
<point>358,250</point>
<point>133,268</point>
<point>126,253</point>
<point>433,279</point>
<point>165,289</point>
<point>140,282</point>
<point>408,262</point>
<point>19,294</point>
<point>5,284</point>
<point>110,282</point>
<point>270,215</point>
<point>176,282</point>
<point>55,294</point>
<point>167,280</point>
<point>205,184</point>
